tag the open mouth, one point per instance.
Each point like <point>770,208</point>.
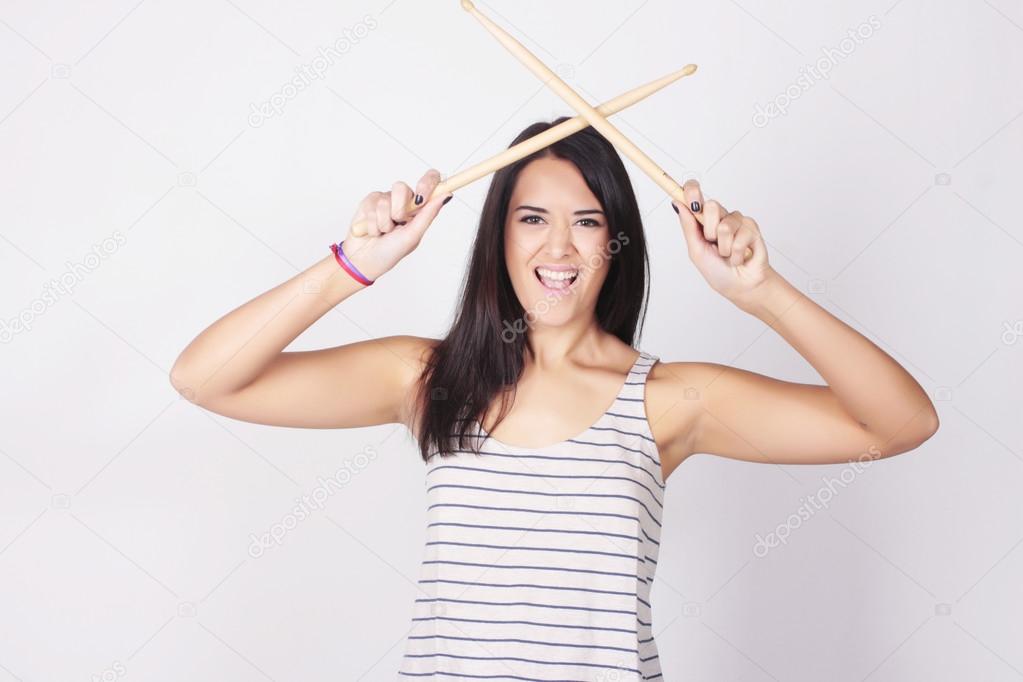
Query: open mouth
<point>556,280</point>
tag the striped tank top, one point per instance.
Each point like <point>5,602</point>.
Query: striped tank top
<point>538,562</point>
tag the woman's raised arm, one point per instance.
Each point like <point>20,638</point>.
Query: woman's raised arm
<point>237,366</point>
<point>870,407</point>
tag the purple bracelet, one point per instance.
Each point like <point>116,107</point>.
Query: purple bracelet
<point>347,265</point>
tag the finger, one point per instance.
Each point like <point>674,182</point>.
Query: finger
<point>711,215</point>
<point>361,214</point>
<point>401,197</point>
<point>422,220</point>
<point>384,223</point>
<point>756,245</point>
<point>753,227</point>
<point>745,238</point>
<point>694,196</point>
<point>426,185</point>
<point>367,214</point>
<point>690,228</point>
<point>726,231</point>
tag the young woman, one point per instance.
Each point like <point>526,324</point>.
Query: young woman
<point>547,437</point>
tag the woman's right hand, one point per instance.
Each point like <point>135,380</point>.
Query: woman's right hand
<point>391,234</point>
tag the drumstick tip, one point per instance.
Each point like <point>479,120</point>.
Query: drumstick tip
<point>468,6</point>
<point>689,69</point>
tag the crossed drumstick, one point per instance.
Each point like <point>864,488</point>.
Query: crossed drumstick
<point>588,115</point>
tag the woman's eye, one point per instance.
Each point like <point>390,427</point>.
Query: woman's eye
<point>588,222</point>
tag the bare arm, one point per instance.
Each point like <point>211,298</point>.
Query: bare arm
<point>237,366</point>
<point>870,405</point>
<point>870,400</point>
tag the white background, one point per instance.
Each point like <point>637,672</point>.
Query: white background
<point>885,192</point>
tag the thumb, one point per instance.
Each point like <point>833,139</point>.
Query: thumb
<point>422,219</point>
<point>691,229</point>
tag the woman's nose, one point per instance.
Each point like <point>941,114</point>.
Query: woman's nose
<point>559,238</point>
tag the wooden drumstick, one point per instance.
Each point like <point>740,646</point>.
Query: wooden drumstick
<point>606,128</point>
<point>592,116</point>
<point>537,142</point>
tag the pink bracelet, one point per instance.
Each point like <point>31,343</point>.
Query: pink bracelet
<point>348,266</point>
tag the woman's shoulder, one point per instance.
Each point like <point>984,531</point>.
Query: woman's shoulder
<point>688,374</point>
<point>412,351</point>
<point>676,393</point>
<point>412,346</point>
<point>676,371</point>
<point>684,380</point>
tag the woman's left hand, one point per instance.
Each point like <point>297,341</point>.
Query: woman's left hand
<point>717,240</point>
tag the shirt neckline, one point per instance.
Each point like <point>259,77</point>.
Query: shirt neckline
<point>621,389</point>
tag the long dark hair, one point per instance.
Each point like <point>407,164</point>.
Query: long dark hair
<point>482,355</point>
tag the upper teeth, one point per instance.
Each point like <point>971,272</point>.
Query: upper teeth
<point>557,274</point>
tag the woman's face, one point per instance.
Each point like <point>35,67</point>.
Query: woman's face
<point>556,242</point>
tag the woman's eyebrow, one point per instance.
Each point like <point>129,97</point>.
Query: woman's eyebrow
<point>587,211</point>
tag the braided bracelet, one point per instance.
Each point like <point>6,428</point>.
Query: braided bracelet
<point>348,266</point>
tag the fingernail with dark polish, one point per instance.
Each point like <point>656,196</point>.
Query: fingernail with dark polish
<point>447,200</point>
<point>695,206</point>
<point>674,208</point>
<point>419,199</point>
